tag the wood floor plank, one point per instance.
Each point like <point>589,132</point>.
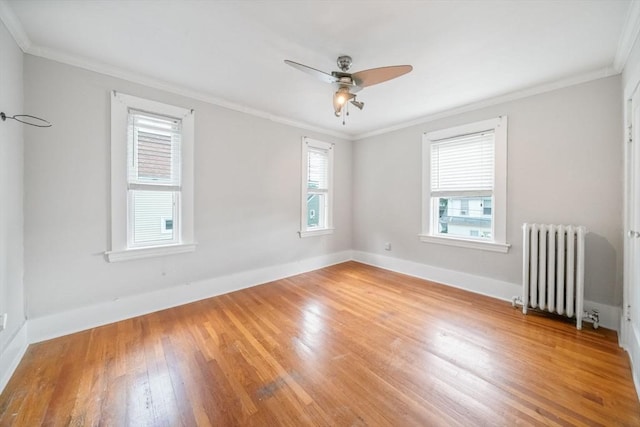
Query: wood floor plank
<point>347,345</point>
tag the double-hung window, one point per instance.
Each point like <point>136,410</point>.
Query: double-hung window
<point>464,185</point>
<point>317,188</point>
<point>151,178</point>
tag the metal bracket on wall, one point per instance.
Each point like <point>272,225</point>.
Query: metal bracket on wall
<point>27,120</point>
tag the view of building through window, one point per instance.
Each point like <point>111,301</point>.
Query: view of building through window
<point>154,178</point>
<point>465,216</point>
<point>313,210</point>
<point>317,187</point>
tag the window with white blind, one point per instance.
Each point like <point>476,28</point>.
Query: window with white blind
<point>317,188</point>
<point>465,186</point>
<point>151,178</point>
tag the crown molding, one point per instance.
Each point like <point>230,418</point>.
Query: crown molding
<point>500,99</point>
<point>133,77</point>
<point>14,26</point>
<point>145,80</point>
<point>16,29</point>
<point>628,36</point>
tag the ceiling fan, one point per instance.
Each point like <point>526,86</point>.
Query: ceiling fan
<point>348,84</point>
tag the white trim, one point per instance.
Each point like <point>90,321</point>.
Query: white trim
<point>176,89</point>
<point>304,190</point>
<point>600,73</point>
<point>499,223</point>
<point>628,36</point>
<point>139,253</point>
<point>64,323</point>
<point>310,233</point>
<point>16,29</point>
<point>14,26</point>
<point>68,322</point>
<point>12,355</point>
<point>466,243</point>
<point>183,221</point>
<point>480,285</point>
<point>629,338</point>
<point>609,315</point>
<point>468,128</point>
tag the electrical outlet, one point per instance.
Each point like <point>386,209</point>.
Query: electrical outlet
<point>3,322</point>
<point>387,246</point>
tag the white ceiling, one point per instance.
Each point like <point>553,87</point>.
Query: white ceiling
<point>232,52</point>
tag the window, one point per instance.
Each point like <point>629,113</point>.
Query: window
<point>464,206</point>
<point>486,207</point>
<point>151,178</point>
<point>317,188</point>
<point>464,179</point>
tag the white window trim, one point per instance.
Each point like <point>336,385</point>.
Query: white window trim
<point>499,242</point>
<point>120,104</point>
<point>304,231</point>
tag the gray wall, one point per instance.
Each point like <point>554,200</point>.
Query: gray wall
<point>247,194</point>
<point>565,166</point>
<point>11,167</point>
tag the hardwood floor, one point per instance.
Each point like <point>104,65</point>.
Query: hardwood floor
<point>348,345</point>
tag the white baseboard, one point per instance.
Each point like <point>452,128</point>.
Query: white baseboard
<point>68,322</point>
<point>64,323</point>
<point>609,315</point>
<point>477,284</point>
<point>630,341</point>
<point>12,354</point>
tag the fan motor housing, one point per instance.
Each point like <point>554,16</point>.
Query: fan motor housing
<point>344,62</point>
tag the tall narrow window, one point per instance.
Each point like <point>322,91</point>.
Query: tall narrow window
<point>464,178</point>
<point>151,178</point>
<point>154,179</point>
<point>317,191</point>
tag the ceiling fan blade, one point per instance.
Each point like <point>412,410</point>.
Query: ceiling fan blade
<point>325,77</point>
<point>374,76</point>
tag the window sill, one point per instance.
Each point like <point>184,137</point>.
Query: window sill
<point>310,233</point>
<point>139,253</point>
<point>466,243</point>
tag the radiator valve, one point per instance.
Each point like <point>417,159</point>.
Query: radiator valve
<point>593,316</point>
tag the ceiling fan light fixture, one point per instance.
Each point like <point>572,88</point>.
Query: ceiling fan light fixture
<point>350,83</point>
<point>340,98</point>
<point>358,104</point>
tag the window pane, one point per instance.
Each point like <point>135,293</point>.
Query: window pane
<point>153,216</point>
<point>316,208</point>
<point>465,216</point>
<point>154,149</point>
<point>486,207</point>
<point>317,169</point>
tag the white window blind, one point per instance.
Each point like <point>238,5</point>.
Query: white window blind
<point>463,164</point>
<point>317,188</point>
<point>153,178</point>
<point>317,169</point>
<point>152,191</point>
<point>154,152</point>
<point>464,185</point>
